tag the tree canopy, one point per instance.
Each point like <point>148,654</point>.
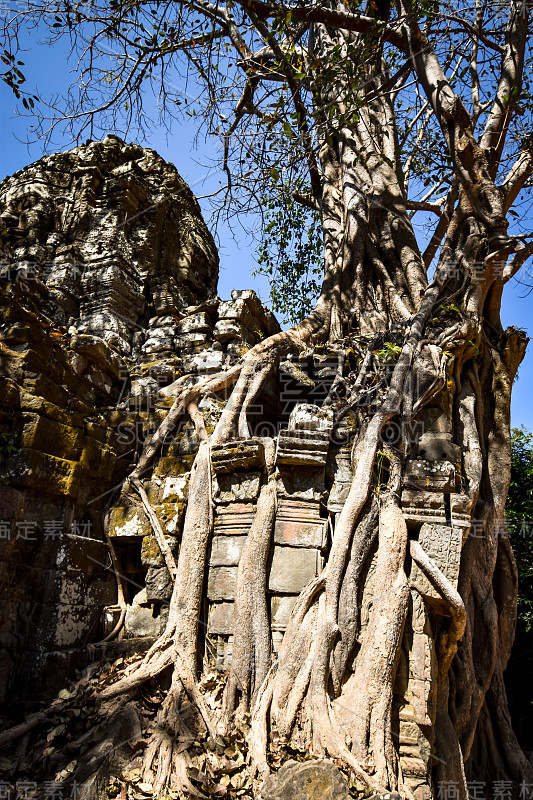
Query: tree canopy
<point>263,80</point>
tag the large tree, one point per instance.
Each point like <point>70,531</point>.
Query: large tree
<point>366,114</point>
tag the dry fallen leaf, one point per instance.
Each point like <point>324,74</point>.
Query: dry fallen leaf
<point>55,732</point>
<point>64,694</point>
<point>145,788</point>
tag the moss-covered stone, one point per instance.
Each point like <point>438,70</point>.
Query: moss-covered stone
<point>48,436</point>
<point>45,387</point>
<point>9,393</point>
<point>151,555</point>
<point>43,472</point>
<point>170,465</point>
<point>97,459</point>
<point>38,405</point>
<point>128,522</point>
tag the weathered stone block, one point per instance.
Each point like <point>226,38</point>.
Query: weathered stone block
<point>226,551</point>
<point>190,341</point>
<point>236,349</point>
<point>439,447</point>
<point>11,502</point>
<point>107,323</point>
<point>195,323</point>
<point>97,459</point>
<point>76,587</point>
<point>240,310</point>
<point>306,483</point>
<point>170,516</point>
<point>238,455</point>
<point>443,545</point>
<point>43,472</point>
<point>141,619</point>
<point>108,285</point>
<point>238,487</point>
<point>280,611</point>
<point>128,522</point>
<point>175,488</point>
<point>434,420</point>
<point>65,625</point>
<point>306,416</point>
<point>160,342</point>
<point>227,329</point>
<point>298,524</point>
<point>250,298</point>
<point>185,443</point>
<point>151,555</point>
<point>437,476</point>
<point>220,618</point>
<point>45,387</point>
<point>343,475</point>
<point>143,393</point>
<point>29,402</point>
<point>419,506</point>
<point>221,583</point>
<point>9,393</point>
<point>293,568</point>
<point>224,651</point>
<point>159,584</point>
<point>306,780</point>
<point>131,521</point>
<point>265,318</point>
<point>460,509</point>
<point>98,352</point>
<point>205,362</point>
<point>234,519</point>
<point>173,466</point>
<point>88,556</point>
<point>51,437</point>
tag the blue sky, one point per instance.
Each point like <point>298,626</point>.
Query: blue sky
<point>48,67</point>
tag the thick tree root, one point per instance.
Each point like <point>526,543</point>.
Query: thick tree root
<point>251,645</point>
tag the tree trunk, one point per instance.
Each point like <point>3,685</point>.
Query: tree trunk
<point>393,658</point>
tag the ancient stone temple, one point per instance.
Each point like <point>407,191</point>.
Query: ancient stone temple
<point>108,281</point>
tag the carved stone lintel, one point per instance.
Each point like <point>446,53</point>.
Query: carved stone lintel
<point>419,506</point>
<point>302,447</point>
<point>234,519</point>
<point>240,487</point>
<point>432,476</point>
<point>238,455</point>
<point>306,416</point>
<point>416,681</point>
<point>342,481</point>
<point>431,507</point>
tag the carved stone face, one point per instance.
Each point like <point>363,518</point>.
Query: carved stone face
<point>113,232</point>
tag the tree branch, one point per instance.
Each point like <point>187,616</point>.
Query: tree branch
<point>517,177</point>
<point>510,84</point>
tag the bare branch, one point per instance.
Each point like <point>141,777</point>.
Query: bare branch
<point>510,83</point>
